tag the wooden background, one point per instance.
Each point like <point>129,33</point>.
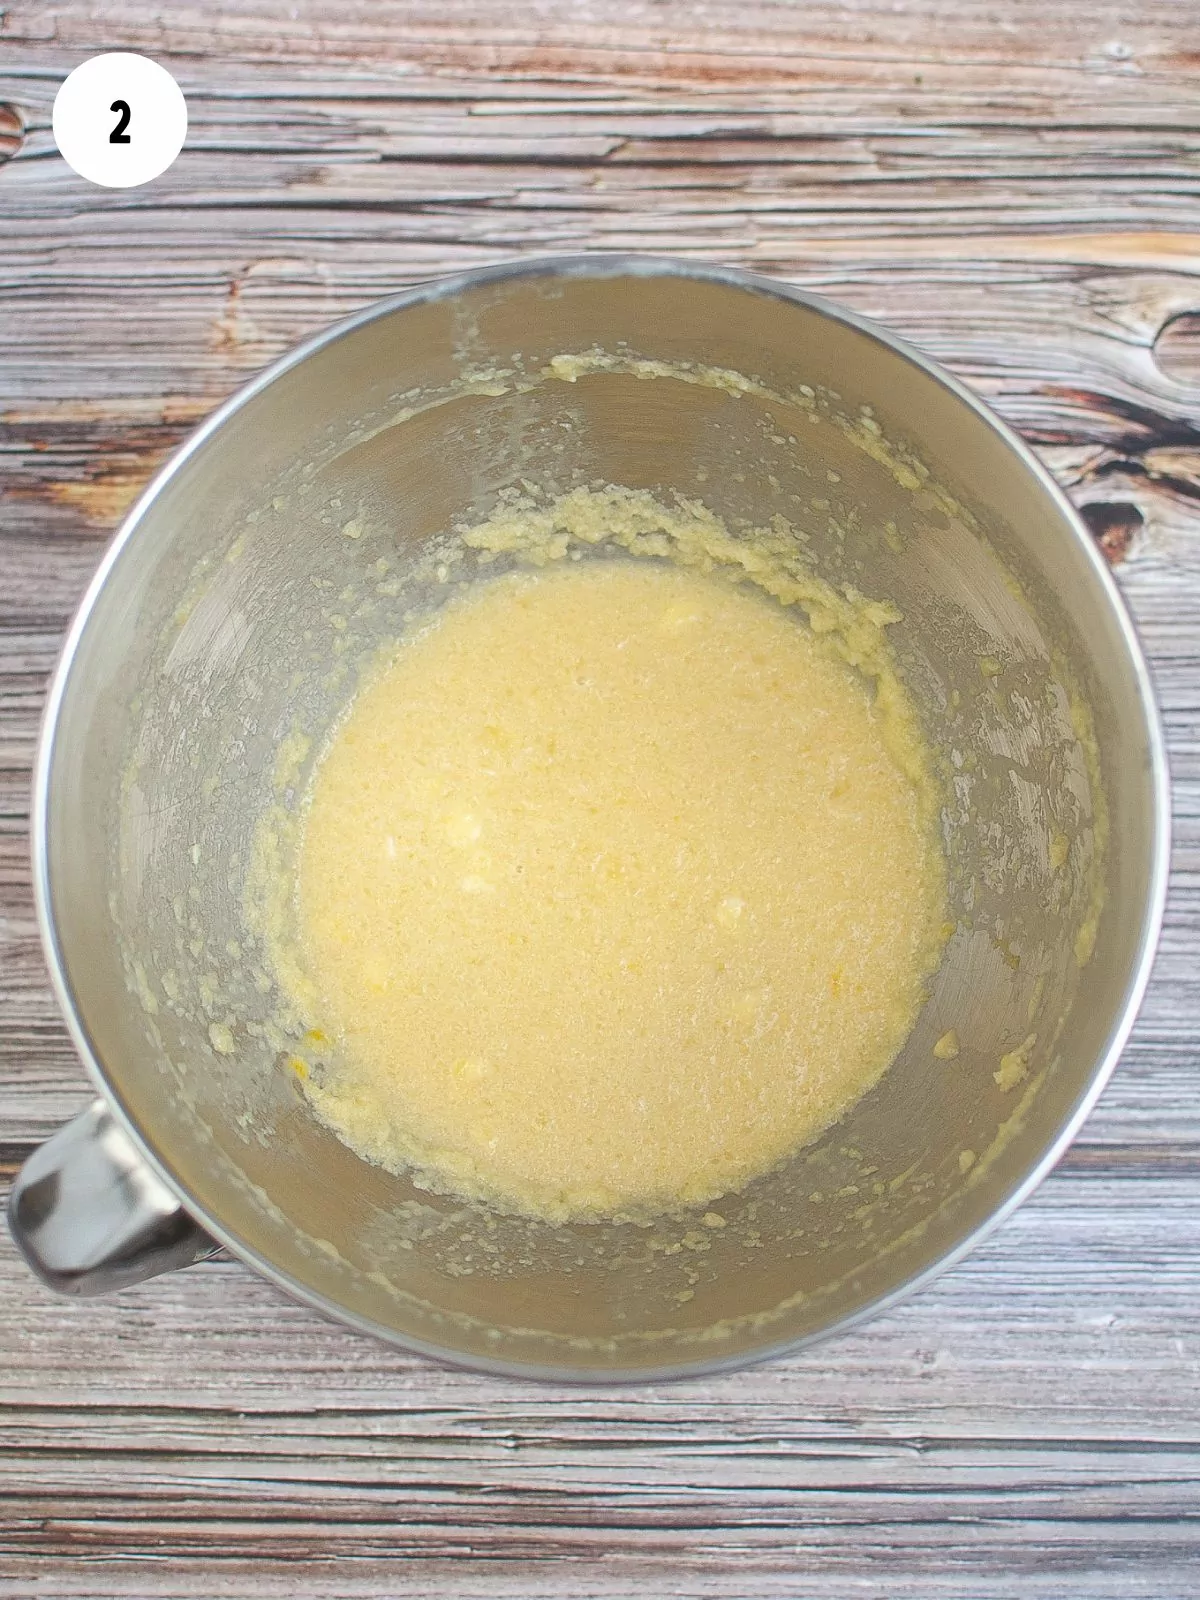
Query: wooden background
<point>1012,183</point>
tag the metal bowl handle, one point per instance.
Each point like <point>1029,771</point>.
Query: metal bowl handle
<point>90,1217</point>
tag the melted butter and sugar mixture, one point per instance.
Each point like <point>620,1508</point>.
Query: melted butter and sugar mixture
<point>615,885</point>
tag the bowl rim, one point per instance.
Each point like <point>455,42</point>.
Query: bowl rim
<point>600,265</point>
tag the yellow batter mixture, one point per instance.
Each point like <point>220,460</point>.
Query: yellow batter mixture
<point>612,891</point>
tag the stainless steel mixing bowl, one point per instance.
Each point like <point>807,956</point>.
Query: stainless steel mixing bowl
<point>212,626</point>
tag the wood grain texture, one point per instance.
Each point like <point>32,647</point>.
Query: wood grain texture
<point>1014,186</point>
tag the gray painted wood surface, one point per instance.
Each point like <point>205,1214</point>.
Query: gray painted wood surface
<point>1013,185</point>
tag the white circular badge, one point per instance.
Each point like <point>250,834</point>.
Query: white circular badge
<point>120,119</point>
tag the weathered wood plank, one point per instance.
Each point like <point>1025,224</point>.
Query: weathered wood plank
<point>1018,53</point>
<point>942,1427</point>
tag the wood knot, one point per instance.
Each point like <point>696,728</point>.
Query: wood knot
<point>1177,348</point>
<point>1115,524</point>
<point>12,131</point>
